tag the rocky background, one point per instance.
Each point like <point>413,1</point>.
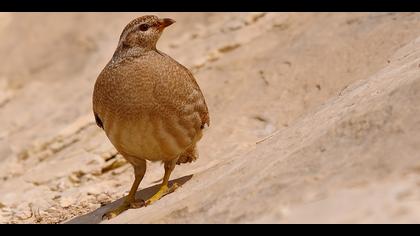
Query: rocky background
<point>315,118</point>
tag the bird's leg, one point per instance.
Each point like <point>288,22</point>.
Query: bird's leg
<point>164,188</point>
<point>130,199</point>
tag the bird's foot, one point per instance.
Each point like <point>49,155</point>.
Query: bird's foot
<point>164,190</point>
<point>123,207</point>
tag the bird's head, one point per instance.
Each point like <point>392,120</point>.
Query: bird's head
<point>144,32</point>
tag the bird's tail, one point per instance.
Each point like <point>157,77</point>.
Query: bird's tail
<point>188,156</point>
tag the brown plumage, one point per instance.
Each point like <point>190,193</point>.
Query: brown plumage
<point>149,105</point>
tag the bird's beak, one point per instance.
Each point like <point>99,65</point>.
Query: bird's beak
<point>165,22</point>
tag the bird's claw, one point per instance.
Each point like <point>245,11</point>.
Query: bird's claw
<point>125,206</point>
<point>137,204</point>
<point>164,190</point>
<point>109,215</point>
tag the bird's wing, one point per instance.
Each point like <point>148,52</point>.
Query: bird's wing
<point>189,81</point>
<point>203,110</point>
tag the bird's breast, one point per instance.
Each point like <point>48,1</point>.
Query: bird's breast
<point>150,137</point>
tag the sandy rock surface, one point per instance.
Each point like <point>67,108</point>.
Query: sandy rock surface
<point>315,118</point>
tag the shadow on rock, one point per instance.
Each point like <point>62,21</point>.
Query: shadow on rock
<point>95,217</point>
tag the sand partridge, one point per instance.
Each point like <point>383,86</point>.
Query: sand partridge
<point>150,106</point>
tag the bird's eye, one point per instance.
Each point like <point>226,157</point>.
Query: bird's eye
<point>144,27</point>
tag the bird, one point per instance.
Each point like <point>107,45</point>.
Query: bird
<point>150,107</point>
